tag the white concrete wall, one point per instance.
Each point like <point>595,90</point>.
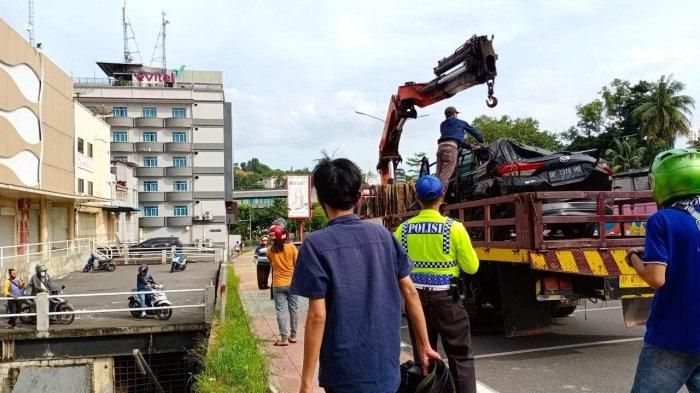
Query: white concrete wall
<point>209,183</point>
<point>208,96</point>
<point>208,110</point>
<point>95,131</point>
<point>209,158</point>
<point>208,135</point>
<point>215,207</point>
<point>102,371</point>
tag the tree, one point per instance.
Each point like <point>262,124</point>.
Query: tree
<point>256,221</point>
<point>318,220</point>
<point>625,156</point>
<point>524,130</point>
<point>413,164</point>
<point>664,114</point>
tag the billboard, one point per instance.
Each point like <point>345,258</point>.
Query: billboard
<point>298,197</point>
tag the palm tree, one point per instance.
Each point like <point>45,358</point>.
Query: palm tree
<point>625,156</point>
<point>664,114</point>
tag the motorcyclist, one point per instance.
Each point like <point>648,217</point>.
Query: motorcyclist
<point>41,280</point>
<point>143,281</point>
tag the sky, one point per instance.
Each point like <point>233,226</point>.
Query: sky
<point>296,71</point>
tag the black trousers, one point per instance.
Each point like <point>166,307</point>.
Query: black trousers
<point>263,276</point>
<point>13,307</point>
<point>448,320</point>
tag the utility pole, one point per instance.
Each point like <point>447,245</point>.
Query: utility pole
<point>30,22</point>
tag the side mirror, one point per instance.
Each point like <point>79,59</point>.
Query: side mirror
<point>63,287</point>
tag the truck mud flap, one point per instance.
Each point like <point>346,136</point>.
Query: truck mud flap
<point>523,315</point>
<point>636,310</point>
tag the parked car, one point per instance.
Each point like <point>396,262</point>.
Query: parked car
<point>157,244</point>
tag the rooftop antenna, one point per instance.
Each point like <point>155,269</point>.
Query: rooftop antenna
<point>128,36</point>
<point>160,43</point>
<point>30,22</point>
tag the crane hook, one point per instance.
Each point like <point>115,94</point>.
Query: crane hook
<point>491,101</point>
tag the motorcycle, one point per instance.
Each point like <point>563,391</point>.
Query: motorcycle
<point>56,304</point>
<point>157,299</point>
<point>106,264</point>
<point>178,262</point>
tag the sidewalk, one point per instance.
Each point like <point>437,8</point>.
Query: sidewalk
<point>285,362</point>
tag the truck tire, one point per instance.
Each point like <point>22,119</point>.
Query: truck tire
<point>562,311</point>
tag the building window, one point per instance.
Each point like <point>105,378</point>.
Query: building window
<point>81,146</point>
<point>81,186</point>
<point>179,113</point>
<point>180,210</point>
<point>150,211</point>
<point>150,161</point>
<point>179,137</point>
<point>89,149</point>
<point>119,111</point>
<point>150,186</point>
<point>119,136</point>
<point>180,185</point>
<point>150,136</point>
<point>120,158</point>
<point>149,112</point>
<point>180,161</point>
<point>90,189</point>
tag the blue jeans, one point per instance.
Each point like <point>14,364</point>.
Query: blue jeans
<point>284,299</point>
<point>662,370</point>
<point>142,297</point>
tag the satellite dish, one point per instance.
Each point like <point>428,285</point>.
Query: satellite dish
<point>103,110</point>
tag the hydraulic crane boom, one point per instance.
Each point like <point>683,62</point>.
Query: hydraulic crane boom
<point>476,64</point>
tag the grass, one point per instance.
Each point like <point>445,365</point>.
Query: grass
<point>235,361</point>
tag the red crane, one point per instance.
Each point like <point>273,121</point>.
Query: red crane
<point>472,64</point>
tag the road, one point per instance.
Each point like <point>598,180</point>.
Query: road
<point>123,279</point>
<point>590,351</point>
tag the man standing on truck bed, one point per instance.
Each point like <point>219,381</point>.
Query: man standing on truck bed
<point>440,248</point>
<point>670,263</point>
<point>451,139</point>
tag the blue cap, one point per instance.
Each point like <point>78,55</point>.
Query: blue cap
<point>428,188</point>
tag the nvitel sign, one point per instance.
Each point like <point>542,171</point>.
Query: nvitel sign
<point>298,197</point>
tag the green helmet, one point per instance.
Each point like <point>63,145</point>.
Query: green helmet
<point>40,268</point>
<point>675,173</point>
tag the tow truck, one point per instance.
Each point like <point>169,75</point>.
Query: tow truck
<point>530,276</point>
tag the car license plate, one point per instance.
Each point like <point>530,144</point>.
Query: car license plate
<point>632,281</point>
<point>561,174</point>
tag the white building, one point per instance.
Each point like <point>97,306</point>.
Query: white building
<point>170,124</point>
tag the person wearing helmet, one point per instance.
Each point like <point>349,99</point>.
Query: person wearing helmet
<point>670,263</point>
<point>452,133</point>
<point>143,281</point>
<point>441,251</point>
<point>263,264</point>
<point>41,280</point>
<point>283,257</point>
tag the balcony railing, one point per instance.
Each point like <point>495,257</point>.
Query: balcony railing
<point>111,82</point>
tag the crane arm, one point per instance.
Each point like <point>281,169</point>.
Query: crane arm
<point>472,64</point>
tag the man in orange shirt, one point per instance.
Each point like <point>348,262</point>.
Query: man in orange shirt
<point>283,257</point>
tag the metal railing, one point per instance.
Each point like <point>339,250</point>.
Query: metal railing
<point>11,255</point>
<point>43,314</point>
<point>88,81</point>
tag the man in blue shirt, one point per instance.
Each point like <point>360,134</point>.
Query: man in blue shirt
<point>354,274</point>
<point>452,132</point>
<point>143,281</point>
<point>670,263</point>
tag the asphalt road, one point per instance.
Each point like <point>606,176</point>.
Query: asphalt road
<point>123,279</point>
<point>589,351</point>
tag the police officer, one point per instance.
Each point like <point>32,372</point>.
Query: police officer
<point>440,248</point>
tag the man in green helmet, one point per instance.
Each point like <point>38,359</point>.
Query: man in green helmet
<point>670,263</point>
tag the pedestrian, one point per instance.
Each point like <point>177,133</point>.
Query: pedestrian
<point>354,274</point>
<point>237,248</point>
<point>13,287</point>
<point>262,263</point>
<point>452,133</point>
<point>283,257</point>
<point>441,251</point>
<point>670,263</point>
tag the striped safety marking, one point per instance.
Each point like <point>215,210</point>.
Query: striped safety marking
<point>585,262</point>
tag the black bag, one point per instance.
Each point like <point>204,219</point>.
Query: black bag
<point>438,381</point>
